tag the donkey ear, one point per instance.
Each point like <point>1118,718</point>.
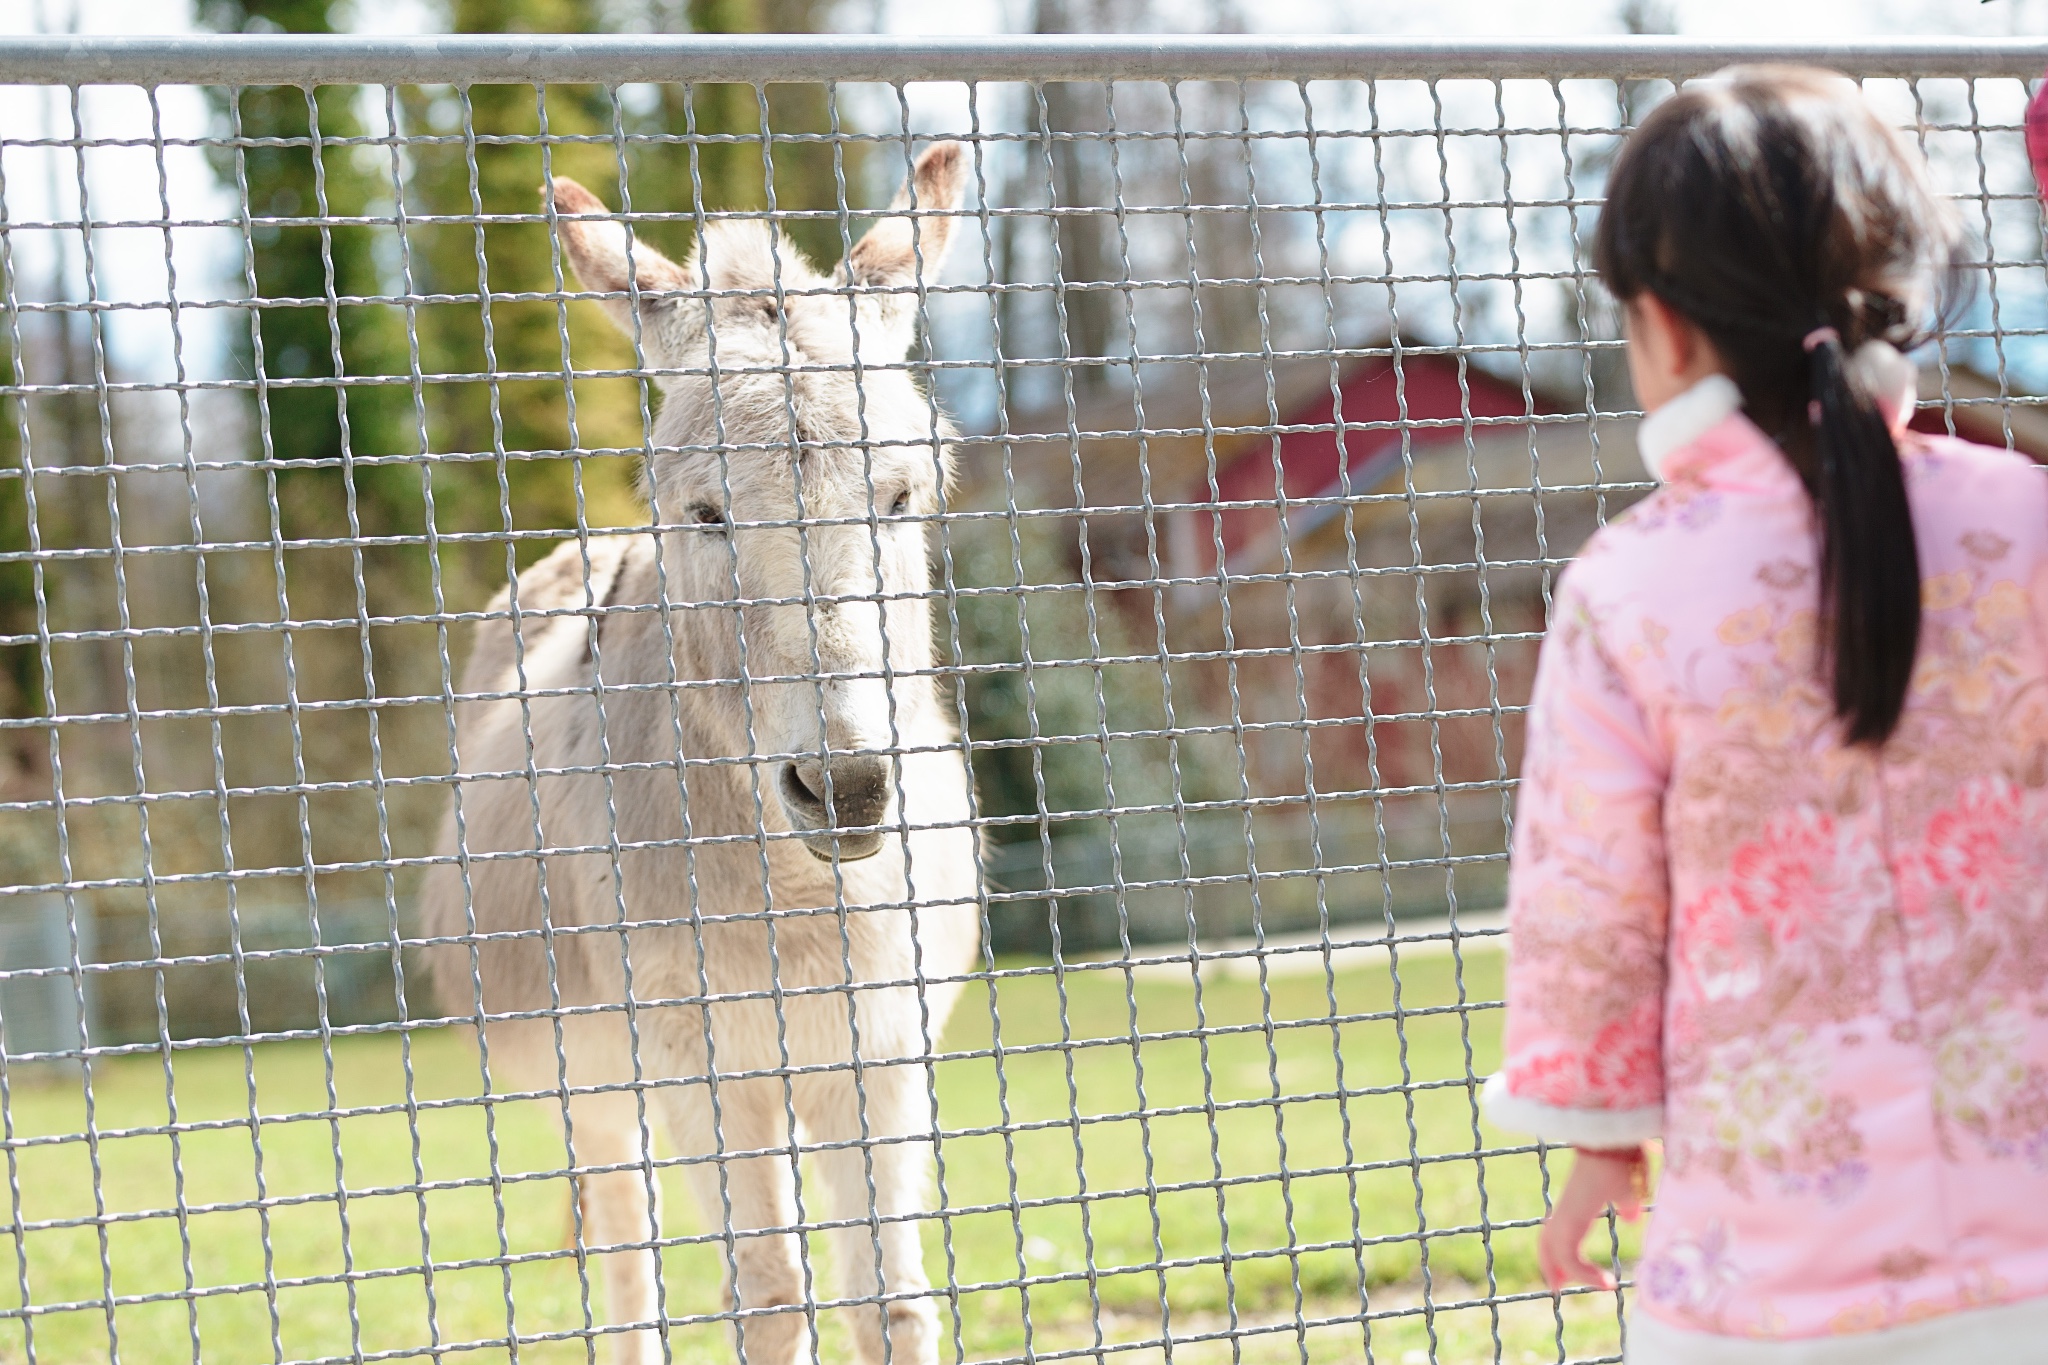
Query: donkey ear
<point>596,248</point>
<point>896,247</point>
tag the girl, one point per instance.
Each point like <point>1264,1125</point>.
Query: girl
<point>1780,886</point>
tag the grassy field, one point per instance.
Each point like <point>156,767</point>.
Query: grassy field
<point>1293,1254</point>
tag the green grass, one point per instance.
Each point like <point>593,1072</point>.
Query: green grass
<point>1270,1221</point>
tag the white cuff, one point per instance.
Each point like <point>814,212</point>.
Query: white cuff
<point>1569,1127</point>
<point>2007,1331</point>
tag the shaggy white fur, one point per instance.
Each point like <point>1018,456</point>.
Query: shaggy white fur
<point>1569,1127</point>
<point>665,961</point>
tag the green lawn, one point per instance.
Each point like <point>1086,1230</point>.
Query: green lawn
<point>1366,1216</point>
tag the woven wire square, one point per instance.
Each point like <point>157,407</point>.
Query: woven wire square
<point>584,782</point>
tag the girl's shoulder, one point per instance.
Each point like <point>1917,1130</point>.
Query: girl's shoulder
<point>1687,533</point>
<point>1931,454</point>
<point>1955,483</point>
<point>1678,535</point>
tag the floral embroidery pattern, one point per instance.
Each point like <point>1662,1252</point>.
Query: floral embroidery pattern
<point>1692,1275</point>
<point>1764,1108</point>
<point>1984,1084</point>
<point>1969,849</point>
<point>1828,966</point>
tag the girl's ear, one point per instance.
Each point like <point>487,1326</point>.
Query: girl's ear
<point>909,243</point>
<point>596,250</point>
<point>1667,353</point>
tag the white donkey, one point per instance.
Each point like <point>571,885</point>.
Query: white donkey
<point>798,658</point>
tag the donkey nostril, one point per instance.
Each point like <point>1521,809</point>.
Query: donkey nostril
<point>833,827</point>
<point>803,786</point>
<point>845,791</point>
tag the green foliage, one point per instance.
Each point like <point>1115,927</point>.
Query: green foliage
<point>464,416</point>
<point>494,394</point>
<point>20,675</point>
<point>531,478</point>
<point>504,417</point>
<point>308,268</point>
<point>526,429</point>
<point>1056,723</point>
<point>322,328</point>
<point>804,176</point>
<point>28,852</point>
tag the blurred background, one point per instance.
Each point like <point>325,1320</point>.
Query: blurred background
<point>1170,758</point>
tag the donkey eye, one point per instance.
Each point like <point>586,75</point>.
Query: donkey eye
<point>901,506</point>
<point>706,515</point>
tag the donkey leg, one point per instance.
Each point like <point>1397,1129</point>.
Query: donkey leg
<point>876,1186</point>
<point>620,1208</point>
<point>606,1128</point>
<point>743,1195</point>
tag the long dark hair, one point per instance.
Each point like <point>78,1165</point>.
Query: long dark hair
<point>1771,208</point>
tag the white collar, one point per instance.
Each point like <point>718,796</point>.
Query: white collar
<point>1684,419</point>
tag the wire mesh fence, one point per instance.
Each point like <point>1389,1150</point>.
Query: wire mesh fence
<point>871,711</point>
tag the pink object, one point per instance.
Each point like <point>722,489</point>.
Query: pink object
<point>1820,973</point>
<point>1818,337</point>
<point>2037,133</point>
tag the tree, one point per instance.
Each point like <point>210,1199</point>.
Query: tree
<point>333,405</point>
<point>504,417</point>
<point>371,336</point>
<point>23,842</point>
<point>313,265</point>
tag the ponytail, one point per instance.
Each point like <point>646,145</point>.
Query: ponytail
<point>1770,207</point>
<point>1869,563</point>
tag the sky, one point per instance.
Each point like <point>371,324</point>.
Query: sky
<point>42,185</point>
<point>1555,18</point>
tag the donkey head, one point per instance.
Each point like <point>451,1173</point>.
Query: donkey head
<point>795,461</point>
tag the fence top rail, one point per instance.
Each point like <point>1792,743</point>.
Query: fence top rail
<point>292,59</point>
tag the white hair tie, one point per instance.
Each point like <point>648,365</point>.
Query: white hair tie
<point>1888,377</point>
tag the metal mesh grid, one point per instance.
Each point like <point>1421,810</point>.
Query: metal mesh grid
<point>417,888</point>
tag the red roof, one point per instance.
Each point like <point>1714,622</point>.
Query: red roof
<point>1433,394</point>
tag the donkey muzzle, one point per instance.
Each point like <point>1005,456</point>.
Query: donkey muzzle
<point>830,800</point>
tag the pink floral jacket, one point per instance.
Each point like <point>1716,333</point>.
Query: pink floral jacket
<point>1820,972</point>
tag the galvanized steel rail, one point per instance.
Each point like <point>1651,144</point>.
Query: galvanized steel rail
<point>279,59</point>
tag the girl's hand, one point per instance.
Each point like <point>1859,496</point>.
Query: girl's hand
<point>1598,1179</point>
